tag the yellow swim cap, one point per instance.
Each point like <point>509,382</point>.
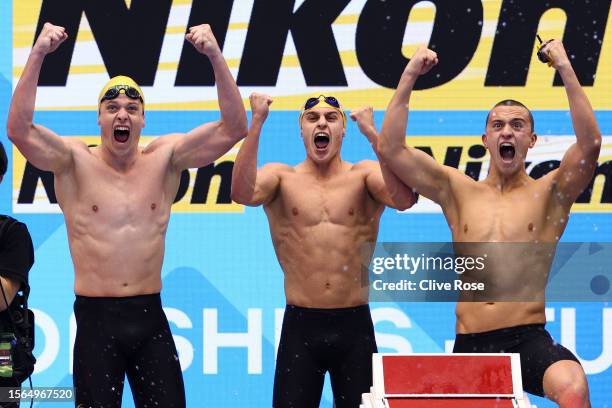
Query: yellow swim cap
<point>121,84</point>
<point>322,101</point>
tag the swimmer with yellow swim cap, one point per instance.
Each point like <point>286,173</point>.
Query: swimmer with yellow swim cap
<point>321,212</point>
<point>116,199</point>
<point>120,84</point>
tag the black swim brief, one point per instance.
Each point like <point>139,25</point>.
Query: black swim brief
<point>119,336</point>
<point>314,341</point>
<point>537,348</point>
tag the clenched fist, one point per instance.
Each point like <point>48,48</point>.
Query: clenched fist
<point>364,117</point>
<point>203,39</point>
<point>260,104</point>
<point>421,62</point>
<point>556,52</point>
<point>49,39</point>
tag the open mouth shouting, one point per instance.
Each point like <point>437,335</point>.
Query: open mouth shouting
<point>321,141</point>
<point>507,152</point>
<point>121,133</point>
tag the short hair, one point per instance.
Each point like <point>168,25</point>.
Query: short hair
<point>511,102</point>
<point>3,160</point>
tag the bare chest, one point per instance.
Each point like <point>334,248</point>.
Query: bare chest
<point>96,191</point>
<point>343,200</point>
<point>518,216</point>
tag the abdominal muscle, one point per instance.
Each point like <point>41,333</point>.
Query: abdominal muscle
<point>323,265</point>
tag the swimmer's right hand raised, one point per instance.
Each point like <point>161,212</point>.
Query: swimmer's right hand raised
<point>421,62</point>
<point>50,37</point>
<point>260,105</point>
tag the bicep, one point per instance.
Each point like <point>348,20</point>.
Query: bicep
<point>420,171</point>
<point>200,146</point>
<point>45,149</point>
<point>267,184</point>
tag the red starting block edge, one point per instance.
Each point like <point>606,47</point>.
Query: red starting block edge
<point>449,380</point>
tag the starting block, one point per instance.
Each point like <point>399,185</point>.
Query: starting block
<point>446,381</point>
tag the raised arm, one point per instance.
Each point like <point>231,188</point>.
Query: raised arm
<point>412,166</point>
<point>381,182</point>
<point>42,147</point>
<point>580,160</point>
<point>249,185</point>
<point>210,141</point>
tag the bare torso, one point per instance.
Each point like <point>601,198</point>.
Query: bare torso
<point>527,213</point>
<point>320,228</point>
<point>117,220</point>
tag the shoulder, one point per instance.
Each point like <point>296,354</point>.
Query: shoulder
<point>366,165</point>
<point>76,144</point>
<point>277,168</point>
<point>161,142</point>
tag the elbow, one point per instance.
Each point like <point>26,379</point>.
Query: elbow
<point>16,131</point>
<point>403,205</point>
<point>238,196</point>
<point>386,149</point>
<point>236,131</point>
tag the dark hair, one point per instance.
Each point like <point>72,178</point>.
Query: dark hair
<point>511,102</point>
<point>3,160</point>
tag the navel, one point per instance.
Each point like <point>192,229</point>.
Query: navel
<point>294,211</point>
<point>351,211</point>
<point>153,206</point>
<point>94,208</point>
<point>465,229</point>
<point>530,227</point>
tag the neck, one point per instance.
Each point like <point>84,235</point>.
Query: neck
<point>326,169</point>
<point>509,181</point>
<point>120,163</point>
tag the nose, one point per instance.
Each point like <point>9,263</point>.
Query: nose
<point>122,114</point>
<point>322,122</point>
<point>507,131</point>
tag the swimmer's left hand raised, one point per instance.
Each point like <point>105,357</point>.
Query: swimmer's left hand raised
<point>556,52</point>
<point>364,116</point>
<point>203,39</point>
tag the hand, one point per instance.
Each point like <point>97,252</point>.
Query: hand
<point>421,62</point>
<point>50,37</point>
<point>260,104</point>
<point>203,40</point>
<point>556,53</point>
<point>364,117</point>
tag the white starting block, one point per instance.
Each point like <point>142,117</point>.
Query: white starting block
<point>446,381</point>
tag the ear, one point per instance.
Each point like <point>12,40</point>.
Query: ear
<point>484,139</point>
<point>534,139</point>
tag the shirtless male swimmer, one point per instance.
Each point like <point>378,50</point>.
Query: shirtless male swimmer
<point>507,207</point>
<point>321,213</point>
<point>116,200</point>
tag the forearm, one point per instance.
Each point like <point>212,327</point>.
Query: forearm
<point>233,114</point>
<point>588,136</point>
<point>393,134</point>
<point>401,195</point>
<point>24,98</point>
<point>244,174</point>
